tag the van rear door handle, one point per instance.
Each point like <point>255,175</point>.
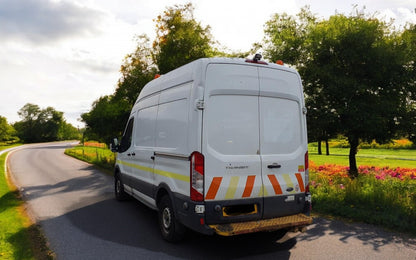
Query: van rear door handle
<point>274,165</point>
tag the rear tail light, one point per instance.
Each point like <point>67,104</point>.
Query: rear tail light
<point>197,176</point>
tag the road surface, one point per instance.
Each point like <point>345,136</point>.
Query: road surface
<point>73,202</point>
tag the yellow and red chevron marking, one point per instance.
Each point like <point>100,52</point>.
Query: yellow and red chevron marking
<point>231,190</point>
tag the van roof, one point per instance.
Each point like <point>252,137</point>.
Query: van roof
<point>192,72</point>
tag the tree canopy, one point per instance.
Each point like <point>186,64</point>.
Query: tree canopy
<point>40,125</point>
<point>180,40</point>
<point>357,73</point>
<point>7,132</point>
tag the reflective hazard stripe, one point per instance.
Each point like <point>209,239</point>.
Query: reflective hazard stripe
<point>232,186</point>
<point>276,185</point>
<point>300,181</point>
<point>249,186</point>
<point>288,181</point>
<point>213,188</point>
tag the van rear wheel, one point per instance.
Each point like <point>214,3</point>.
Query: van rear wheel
<point>170,228</point>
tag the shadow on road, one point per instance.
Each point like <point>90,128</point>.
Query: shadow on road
<point>138,227</point>
<point>369,235</point>
<point>94,182</point>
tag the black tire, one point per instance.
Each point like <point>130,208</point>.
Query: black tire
<point>171,229</point>
<point>119,192</point>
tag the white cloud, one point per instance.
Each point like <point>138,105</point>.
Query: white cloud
<point>43,21</point>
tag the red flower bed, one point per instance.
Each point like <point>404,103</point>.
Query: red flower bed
<point>332,170</point>
<point>95,144</point>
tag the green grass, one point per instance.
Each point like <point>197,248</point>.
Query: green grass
<point>101,157</point>
<point>3,147</point>
<point>14,236</point>
<point>389,203</point>
<point>404,158</point>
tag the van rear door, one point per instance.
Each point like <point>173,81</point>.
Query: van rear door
<point>231,141</point>
<point>283,142</point>
<point>254,143</point>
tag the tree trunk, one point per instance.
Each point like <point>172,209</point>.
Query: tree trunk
<point>319,147</point>
<point>327,146</point>
<point>353,151</point>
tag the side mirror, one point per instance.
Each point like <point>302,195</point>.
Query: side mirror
<point>114,145</point>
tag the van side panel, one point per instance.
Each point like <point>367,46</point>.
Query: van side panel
<point>143,146</point>
<point>171,149</point>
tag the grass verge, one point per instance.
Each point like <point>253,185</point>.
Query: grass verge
<point>405,158</point>
<point>19,237</point>
<point>101,157</point>
<point>389,202</point>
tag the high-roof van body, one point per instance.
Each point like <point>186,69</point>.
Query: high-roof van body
<point>219,146</point>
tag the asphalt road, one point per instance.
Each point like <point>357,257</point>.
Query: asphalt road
<point>73,202</point>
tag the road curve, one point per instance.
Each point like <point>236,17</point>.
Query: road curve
<point>73,202</point>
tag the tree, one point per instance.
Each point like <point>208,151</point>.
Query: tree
<point>408,38</point>
<point>180,38</point>
<point>354,70</point>
<point>361,72</point>
<point>107,118</point>
<point>288,38</point>
<point>137,70</point>
<point>7,132</point>
<point>43,125</point>
<point>27,128</point>
<point>109,114</point>
<point>49,123</point>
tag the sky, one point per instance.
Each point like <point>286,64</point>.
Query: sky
<point>66,54</point>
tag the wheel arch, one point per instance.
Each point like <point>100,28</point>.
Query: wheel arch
<point>162,190</point>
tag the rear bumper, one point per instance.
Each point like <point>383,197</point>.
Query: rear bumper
<point>293,215</point>
<point>297,221</point>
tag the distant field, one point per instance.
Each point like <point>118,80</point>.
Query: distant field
<point>372,157</point>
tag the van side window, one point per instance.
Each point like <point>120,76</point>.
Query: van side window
<point>126,139</point>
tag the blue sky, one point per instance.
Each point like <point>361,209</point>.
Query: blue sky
<point>66,54</point>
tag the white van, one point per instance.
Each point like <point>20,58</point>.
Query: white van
<point>219,146</point>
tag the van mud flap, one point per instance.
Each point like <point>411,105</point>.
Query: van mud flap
<point>293,221</point>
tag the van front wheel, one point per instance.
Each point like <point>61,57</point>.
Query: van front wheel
<point>170,228</point>
<point>119,192</point>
